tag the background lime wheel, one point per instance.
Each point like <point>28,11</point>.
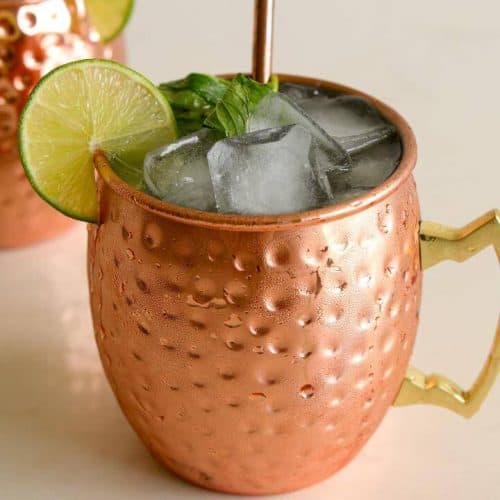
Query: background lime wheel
<point>109,17</point>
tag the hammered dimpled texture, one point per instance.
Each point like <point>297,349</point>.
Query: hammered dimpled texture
<point>35,38</point>
<point>255,362</point>
<point>24,217</point>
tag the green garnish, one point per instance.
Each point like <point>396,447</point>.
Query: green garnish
<point>225,105</point>
<point>193,98</point>
<point>231,113</point>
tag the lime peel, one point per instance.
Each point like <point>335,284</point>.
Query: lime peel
<point>79,108</point>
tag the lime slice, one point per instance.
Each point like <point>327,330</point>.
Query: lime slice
<point>109,17</point>
<point>78,108</point>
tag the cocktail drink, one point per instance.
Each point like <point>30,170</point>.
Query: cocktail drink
<point>35,37</point>
<point>300,149</point>
<point>255,257</point>
<point>257,353</point>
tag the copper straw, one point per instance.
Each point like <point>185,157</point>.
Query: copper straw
<point>263,40</point>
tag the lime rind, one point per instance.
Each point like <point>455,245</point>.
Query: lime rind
<point>83,106</point>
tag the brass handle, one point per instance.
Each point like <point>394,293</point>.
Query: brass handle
<point>438,243</point>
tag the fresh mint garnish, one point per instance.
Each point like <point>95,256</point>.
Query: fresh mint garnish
<point>231,113</point>
<point>225,105</point>
<point>193,98</point>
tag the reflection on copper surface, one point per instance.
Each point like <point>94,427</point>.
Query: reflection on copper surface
<point>51,16</point>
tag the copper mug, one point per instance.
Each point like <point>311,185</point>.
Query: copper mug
<point>257,355</point>
<point>35,37</point>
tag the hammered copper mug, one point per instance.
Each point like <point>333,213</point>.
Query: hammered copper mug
<point>35,37</point>
<point>257,355</point>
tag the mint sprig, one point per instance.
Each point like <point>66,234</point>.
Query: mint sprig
<point>232,112</point>
<point>225,105</point>
<point>193,99</point>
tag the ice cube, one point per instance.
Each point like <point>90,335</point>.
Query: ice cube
<point>344,115</point>
<point>178,172</point>
<point>370,140</point>
<point>265,172</point>
<point>277,110</point>
<point>363,155</point>
<point>298,92</point>
<point>354,144</point>
<point>326,154</point>
<point>371,166</point>
<point>374,165</point>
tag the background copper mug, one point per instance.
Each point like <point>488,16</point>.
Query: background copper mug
<point>257,355</point>
<point>35,37</point>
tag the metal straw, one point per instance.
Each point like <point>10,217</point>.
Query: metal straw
<point>263,40</point>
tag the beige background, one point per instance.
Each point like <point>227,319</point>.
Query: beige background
<point>61,433</point>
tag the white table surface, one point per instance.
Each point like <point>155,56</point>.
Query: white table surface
<point>62,435</point>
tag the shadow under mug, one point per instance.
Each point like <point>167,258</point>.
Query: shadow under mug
<point>257,355</point>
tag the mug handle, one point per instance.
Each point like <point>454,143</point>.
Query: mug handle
<point>438,243</point>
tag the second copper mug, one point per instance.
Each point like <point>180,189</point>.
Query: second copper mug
<point>35,37</point>
<point>257,355</point>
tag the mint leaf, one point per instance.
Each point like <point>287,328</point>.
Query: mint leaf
<point>202,100</point>
<point>208,87</point>
<point>193,98</point>
<point>212,89</point>
<point>232,111</point>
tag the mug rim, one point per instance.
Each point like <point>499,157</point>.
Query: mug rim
<point>279,222</point>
